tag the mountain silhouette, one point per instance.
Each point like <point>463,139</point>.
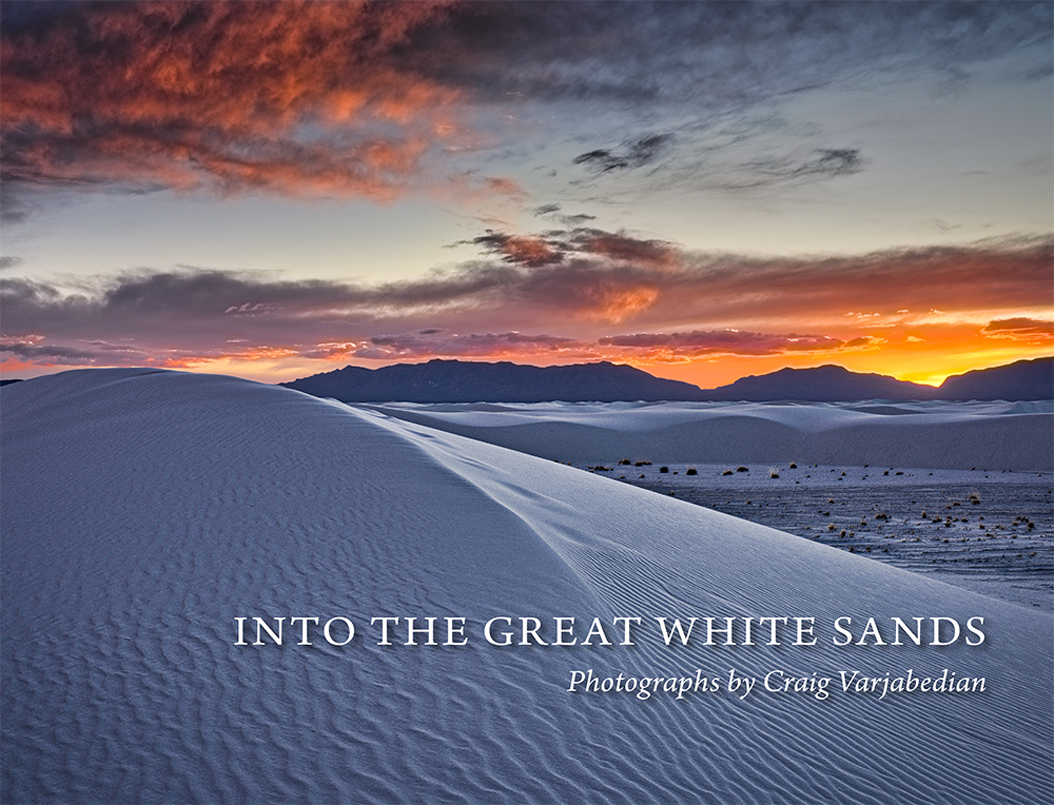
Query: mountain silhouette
<point>453,381</point>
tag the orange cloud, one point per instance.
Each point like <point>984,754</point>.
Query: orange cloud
<point>296,98</point>
<point>681,346</point>
<point>1020,328</point>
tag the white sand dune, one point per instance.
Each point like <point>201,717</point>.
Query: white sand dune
<point>143,511</point>
<point>937,435</point>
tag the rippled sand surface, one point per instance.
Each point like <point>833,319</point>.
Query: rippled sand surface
<point>143,512</point>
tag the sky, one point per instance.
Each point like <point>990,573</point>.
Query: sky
<point>704,190</point>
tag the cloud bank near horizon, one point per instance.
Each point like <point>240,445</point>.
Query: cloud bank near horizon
<point>579,293</point>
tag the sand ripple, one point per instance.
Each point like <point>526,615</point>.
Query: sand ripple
<point>143,511</point>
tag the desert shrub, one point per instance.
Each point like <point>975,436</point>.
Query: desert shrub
<point>691,471</point>
<point>742,469</point>
<point>664,469</point>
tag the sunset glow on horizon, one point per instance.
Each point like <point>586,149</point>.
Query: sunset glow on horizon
<point>703,190</point>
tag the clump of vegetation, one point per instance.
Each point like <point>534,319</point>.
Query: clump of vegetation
<point>742,469</point>
<point>624,462</point>
<point>773,474</point>
<point>691,471</point>
<point>664,468</point>
<point>641,463</point>
<point>793,466</point>
<point>727,472</point>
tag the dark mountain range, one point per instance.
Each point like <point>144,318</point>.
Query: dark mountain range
<point>1023,380</point>
<point>822,384</point>
<point>460,381</point>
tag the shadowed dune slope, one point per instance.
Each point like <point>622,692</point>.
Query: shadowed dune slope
<point>143,511</point>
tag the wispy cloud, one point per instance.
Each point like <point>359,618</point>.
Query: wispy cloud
<point>634,154</point>
<point>821,163</point>
<point>477,345</point>
<point>656,346</point>
<point>1021,328</point>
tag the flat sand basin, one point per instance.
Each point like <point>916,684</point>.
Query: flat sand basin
<point>988,531</point>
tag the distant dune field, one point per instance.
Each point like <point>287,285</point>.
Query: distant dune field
<point>939,435</point>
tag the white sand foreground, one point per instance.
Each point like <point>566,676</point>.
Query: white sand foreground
<point>143,512</point>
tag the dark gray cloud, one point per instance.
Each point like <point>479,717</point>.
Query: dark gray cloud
<point>546,209</point>
<point>527,250</point>
<point>1020,326</point>
<point>635,154</point>
<point>36,349</point>
<point>821,163</point>
<point>711,56</point>
<point>554,246</point>
<point>832,162</point>
<point>553,211</point>
<point>723,342</point>
<point>8,261</point>
<point>387,347</point>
